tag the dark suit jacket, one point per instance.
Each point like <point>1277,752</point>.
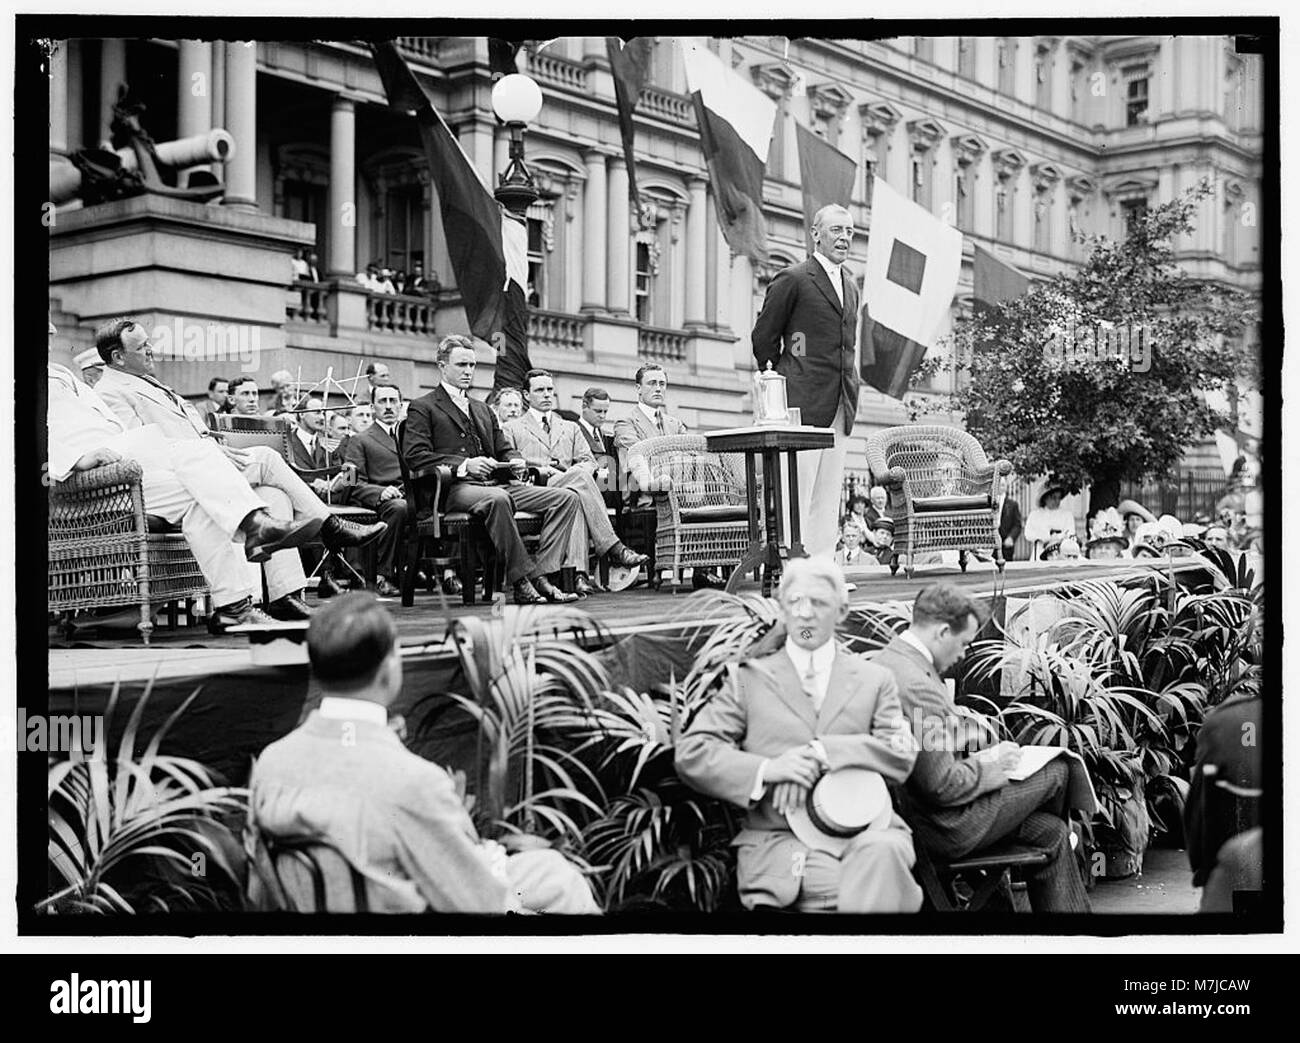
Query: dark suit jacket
<point>607,436</point>
<point>375,455</point>
<point>437,432</point>
<point>810,339</point>
<point>1212,816</point>
<point>302,459</point>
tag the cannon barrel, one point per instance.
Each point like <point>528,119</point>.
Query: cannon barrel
<point>215,146</point>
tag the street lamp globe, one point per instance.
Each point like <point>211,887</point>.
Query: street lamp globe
<point>516,99</point>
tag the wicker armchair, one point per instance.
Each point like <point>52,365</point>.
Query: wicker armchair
<point>943,492</point>
<point>102,552</point>
<point>703,520</point>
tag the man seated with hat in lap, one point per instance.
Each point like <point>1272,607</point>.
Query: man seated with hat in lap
<point>804,739</point>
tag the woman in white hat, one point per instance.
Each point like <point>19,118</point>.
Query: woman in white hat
<point>1049,522</point>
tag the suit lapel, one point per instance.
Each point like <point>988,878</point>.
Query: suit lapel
<point>839,691</point>
<point>823,282</point>
<point>443,401</point>
<point>789,688</point>
<point>914,654</point>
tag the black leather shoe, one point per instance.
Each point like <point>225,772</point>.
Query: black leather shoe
<point>328,586</point>
<point>290,609</point>
<point>337,533</point>
<point>526,593</point>
<point>621,555</point>
<point>582,586</point>
<point>551,592</point>
<point>264,535</point>
<point>236,614</point>
<point>385,589</point>
<point>707,581</point>
<point>451,584</point>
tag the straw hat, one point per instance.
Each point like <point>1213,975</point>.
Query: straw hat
<point>841,805</point>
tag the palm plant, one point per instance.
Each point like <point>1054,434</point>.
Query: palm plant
<point>146,832</point>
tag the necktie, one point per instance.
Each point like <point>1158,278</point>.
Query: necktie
<point>546,424</point>
<point>600,440</point>
<point>659,420</point>
<point>809,684</point>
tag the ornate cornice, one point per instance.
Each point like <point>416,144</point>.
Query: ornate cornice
<point>829,100</point>
<point>1080,186</point>
<point>1008,162</point>
<point>924,133</point>
<point>878,117</point>
<point>1045,175</point>
<point>773,78</point>
<point>967,148</point>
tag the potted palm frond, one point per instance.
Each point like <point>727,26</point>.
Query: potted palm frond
<point>141,831</point>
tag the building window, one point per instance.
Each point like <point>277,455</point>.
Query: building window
<point>923,47</point>
<point>1133,210</point>
<point>1002,213</point>
<point>645,280</point>
<point>1043,76</point>
<point>920,180</point>
<point>404,210</point>
<point>306,202</point>
<point>1007,65</point>
<point>536,289</point>
<point>1042,224</point>
<point>966,56</point>
<point>870,169</point>
<point>1137,79</point>
<point>961,197</point>
<point>1078,91</point>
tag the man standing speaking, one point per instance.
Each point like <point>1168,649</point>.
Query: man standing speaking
<point>807,329</point>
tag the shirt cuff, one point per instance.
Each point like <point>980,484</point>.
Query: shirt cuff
<point>760,787</point>
<point>460,471</point>
<point>820,751</point>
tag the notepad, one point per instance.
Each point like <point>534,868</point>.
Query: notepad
<point>1081,795</point>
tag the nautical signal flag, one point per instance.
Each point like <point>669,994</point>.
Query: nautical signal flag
<point>995,281</point>
<point>487,246</point>
<point>825,173</point>
<point>913,261</point>
<point>735,120</point>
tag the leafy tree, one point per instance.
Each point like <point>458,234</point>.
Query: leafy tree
<point>1095,376</point>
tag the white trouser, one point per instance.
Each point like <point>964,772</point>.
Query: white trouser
<point>821,481</point>
<point>192,482</point>
<point>268,468</point>
<point>597,528</point>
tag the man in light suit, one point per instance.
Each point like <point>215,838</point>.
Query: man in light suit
<point>647,419</point>
<point>344,776</point>
<point>138,397</point>
<point>962,799</point>
<point>807,330</point>
<point>781,720</point>
<point>447,427</point>
<point>562,456</point>
<point>184,480</point>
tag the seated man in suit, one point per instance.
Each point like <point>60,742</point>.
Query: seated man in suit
<point>309,424</point>
<point>962,799</point>
<point>245,397</point>
<point>133,391</point>
<point>595,411</point>
<point>344,776</point>
<point>189,481</point>
<point>649,419</point>
<point>775,726</point>
<point>562,456</point>
<point>379,478</point>
<point>448,427</point>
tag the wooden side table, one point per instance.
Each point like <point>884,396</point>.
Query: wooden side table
<point>768,549</point>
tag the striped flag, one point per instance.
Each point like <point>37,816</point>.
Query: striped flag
<point>825,173</point>
<point>487,246</point>
<point>735,120</point>
<point>995,280</point>
<point>913,261</point>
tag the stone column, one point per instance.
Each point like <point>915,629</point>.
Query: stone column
<point>112,74</point>
<point>342,202</point>
<point>1061,80</point>
<point>59,97</point>
<point>241,121</point>
<point>475,137</point>
<point>194,90</point>
<point>594,215</point>
<point>619,238</point>
<point>696,251</point>
<point>1026,51</point>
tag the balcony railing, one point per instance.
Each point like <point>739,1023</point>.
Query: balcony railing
<point>661,345</point>
<point>562,72</point>
<point>389,313</point>
<point>425,48</point>
<point>553,329</point>
<point>311,305</point>
<point>665,105</point>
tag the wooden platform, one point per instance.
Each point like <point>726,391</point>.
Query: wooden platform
<point>103,657</point>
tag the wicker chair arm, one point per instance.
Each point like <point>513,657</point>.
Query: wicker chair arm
<point>124,472</point>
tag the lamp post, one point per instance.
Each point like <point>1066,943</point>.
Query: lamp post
<point>516,99</point>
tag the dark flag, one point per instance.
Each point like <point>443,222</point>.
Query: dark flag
<point>995,281</point>
<point>826,174</point>
<point>501,56</point>
<point>735,120</point>
<point>487,246</point>
<point>630,63</point>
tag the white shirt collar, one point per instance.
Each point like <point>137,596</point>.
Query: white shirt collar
<point>538,415</point>
<point>650,411</point>
<point>307,438</point>
<point>917,643</point>
<point>340,709</point>
<point>455,392</point>
<point>586,426</point>
<point>820,658</point>
<point>832,269</point>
